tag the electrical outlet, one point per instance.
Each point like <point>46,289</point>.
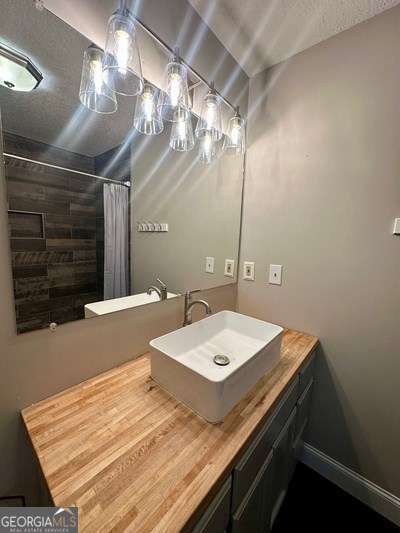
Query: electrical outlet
<point>275,274</point>
<point>229,268</point>
<point>248,270</point>
<point>210,265</point>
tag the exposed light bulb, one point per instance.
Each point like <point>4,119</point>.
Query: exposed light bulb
<point>235,134</point>
<point>235,142</point>
<point>147,119</point>
<point>181,129</point>
<point>122,41</point>
<point>207,142</point>
<point>207,152</point>
<point>175,94</point>
<point>175,88</point>
<point>181,138</point>
<point>148,105</point>
<point>122,69</point>
<point>209,115</point>
<point>97,68</point>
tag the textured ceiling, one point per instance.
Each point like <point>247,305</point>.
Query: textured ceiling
<point>261,33</point>
<point>52,113</point>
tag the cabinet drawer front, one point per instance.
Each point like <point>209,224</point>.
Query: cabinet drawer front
<point>250,464</point>
<point>306,373</point>
<point>251,515</point>
<point>216,517</point>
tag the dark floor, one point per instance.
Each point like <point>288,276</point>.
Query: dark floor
<point>314,504</point>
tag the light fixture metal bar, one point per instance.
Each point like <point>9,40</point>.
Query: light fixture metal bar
<point>169,50</point>
<point>57,167</point>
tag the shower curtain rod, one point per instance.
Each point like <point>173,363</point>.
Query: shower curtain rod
<point>57,167</point>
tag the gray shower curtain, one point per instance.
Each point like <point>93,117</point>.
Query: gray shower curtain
<point>116,241</point>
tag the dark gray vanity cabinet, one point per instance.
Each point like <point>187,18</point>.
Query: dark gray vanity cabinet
<point>251,497</point>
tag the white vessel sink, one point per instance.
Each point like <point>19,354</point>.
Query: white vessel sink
<point>182,362</point>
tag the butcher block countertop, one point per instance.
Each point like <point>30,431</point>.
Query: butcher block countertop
<point>132,458</point>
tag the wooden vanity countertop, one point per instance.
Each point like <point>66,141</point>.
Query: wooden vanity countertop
<point>132,458</point>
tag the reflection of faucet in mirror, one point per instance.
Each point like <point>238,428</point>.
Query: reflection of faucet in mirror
<point>189,304</point>
<point>161,291</point>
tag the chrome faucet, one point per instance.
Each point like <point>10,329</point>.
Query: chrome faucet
<point>189,304</point>
<point>161,291</point>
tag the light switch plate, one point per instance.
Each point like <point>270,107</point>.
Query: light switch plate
<point>275,274</point>
<point>210,265</point>
<point>396,229</point>
<point>229,268</point>
<point>248,270</point>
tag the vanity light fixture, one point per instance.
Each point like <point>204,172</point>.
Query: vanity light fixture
<point>147,118</point>
<point>210,116</point>
<point>182,138</point>
<point>121,73</point>
<point>93,92</point>
<point>235,140</point>
<point>17,72</point>
<point>174,99</point>
<point>122,68</point>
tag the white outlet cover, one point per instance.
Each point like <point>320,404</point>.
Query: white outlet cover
<point>396,229</point>
<point>248,270</point>
<point>275,274</point>
<point>229,268</point>
<point>210,265</point>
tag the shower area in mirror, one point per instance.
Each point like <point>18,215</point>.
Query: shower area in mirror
<point>69,230</point>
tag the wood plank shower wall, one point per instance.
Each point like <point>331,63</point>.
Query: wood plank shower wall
<point>52,216</point>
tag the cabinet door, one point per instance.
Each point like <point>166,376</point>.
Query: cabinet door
<point>216,517</point>
<point>251,463</point>
<point>253,516</point>
<point>266,496</point>
<point>283,465</point>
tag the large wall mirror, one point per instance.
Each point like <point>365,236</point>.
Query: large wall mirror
<point>99,213</point>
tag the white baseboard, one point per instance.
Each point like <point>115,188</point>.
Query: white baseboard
<point>378,499</point>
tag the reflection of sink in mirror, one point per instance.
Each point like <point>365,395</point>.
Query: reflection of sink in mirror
<point>118,304</point>
<point>212,364</point>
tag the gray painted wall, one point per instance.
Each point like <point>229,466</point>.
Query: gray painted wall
<point>321,193</point>
<point>38,364</point>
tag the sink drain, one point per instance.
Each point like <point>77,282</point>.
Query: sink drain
<point>221,360</point>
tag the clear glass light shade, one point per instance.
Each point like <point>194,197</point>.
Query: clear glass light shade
<point>122,69</point>
<point>207,148</point>
<point>235,140</point>
<point>94,93</point>
<point>210,117</point>
<point>175,95</point>
<point>182,138</point>
<point>147,119</point>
